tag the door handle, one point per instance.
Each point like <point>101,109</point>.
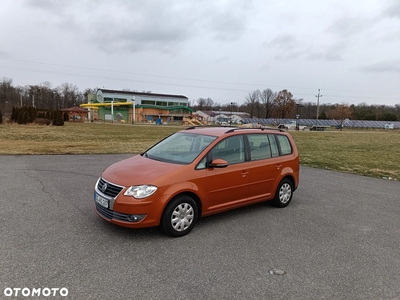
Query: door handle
<point>278,166</point>
<point>244,173</point>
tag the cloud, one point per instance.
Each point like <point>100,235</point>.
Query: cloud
<point>330,53</point>
<point>393,10</point>
<point>52,6</point>
<point>221,59</point>
<point>227,19</point>
<point>346,27</point>
<point>4,54</point>
<point>326,56</point>
<point>288,46</point>
<point>284,42</point>
<point>291,47</point>
<point>390,66</point>
<point>133,26</point>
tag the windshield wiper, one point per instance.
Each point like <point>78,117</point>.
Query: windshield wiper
<point>152,157</point>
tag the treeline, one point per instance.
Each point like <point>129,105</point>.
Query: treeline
<point>26,115</point>
<point>283,105</point>
<point>258,103</point>
<point>42,95</point>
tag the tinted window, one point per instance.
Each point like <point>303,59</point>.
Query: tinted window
<point>259,146</point>
<point>284,143</point>
<point>273,145</point>
<point>230,149</point>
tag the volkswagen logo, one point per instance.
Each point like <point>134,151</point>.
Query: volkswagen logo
<point>103,187</point>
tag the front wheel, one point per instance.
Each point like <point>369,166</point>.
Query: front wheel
<point>284,193</point>
<point>179,216</point>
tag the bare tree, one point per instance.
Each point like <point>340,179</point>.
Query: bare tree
<point>23,93</point>
<point>205,104</point>
<point>201,102</point>
<point>267,98</point>
<point>87,92</point>
<point>252,103</point>
<point>34,92</point>
<point>209,103</point>
<point>44,96</point>
<point>8,95</point>
<point>69,95</point>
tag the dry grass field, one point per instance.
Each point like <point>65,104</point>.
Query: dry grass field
<point>373,153</point>
<point>80,138</point>
<point>369,152</point>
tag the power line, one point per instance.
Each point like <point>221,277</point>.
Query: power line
<point>179,78</point>
<point>140,74</point>
<point>182,78</point>
<point>119,79</point>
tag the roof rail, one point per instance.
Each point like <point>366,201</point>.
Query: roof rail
<point>232,129</point>
<point>206,126</point>
<point>255,128</point>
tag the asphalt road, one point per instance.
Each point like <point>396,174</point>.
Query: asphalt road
<point>338,239</point>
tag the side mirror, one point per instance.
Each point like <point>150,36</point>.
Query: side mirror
<point>218,163</point>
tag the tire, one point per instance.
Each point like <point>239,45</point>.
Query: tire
<point>179,216</point>
<point>284,193</point>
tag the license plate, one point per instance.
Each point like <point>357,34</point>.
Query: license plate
<point>100,200</point>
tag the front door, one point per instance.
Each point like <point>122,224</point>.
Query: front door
<point>228,186</point>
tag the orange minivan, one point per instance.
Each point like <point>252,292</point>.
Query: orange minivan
<point>197,172</point>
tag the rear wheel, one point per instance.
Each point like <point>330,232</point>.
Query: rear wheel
<point>284,193</point>
<point>179,216</point>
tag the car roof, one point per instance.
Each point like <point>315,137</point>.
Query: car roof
<point>221,130</point>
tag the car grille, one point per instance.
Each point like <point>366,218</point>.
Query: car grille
<point>112,189</point>
<point>110,214</point>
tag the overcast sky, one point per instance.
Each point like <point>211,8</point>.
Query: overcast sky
<point>222,49</point>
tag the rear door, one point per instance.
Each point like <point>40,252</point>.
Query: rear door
<point>264,166</point>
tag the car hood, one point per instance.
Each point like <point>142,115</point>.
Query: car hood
<point>137,170</point>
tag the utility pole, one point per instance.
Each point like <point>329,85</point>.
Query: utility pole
<point>112,111</point>
<point>318,96</point>
<point>230,119</point>
<point>133,110</point>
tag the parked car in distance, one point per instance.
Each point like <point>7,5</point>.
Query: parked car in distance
<point>291,125</point>
<point>197,172</point>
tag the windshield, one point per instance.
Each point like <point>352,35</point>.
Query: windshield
<point>179,148</point>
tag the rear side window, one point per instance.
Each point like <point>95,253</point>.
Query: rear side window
<point>259,146</point>
<point>273,144</point>
<point>264,146</point>
<point>284,143</point>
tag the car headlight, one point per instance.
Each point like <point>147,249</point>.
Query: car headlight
<point>140,191</point>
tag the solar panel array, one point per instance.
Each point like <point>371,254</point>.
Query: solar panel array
<point>333,123</point>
